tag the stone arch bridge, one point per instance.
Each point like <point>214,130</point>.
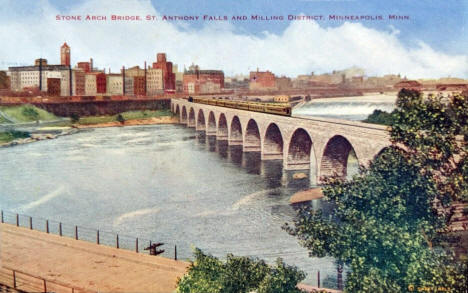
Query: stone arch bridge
<point>302,143</point>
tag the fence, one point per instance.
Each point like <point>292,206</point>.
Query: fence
<point>21,281</point>
<point>86,234</point>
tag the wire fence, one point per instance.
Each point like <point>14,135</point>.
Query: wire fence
<point>100,237</point>
<point>140,245</point>
<point>24,282</point>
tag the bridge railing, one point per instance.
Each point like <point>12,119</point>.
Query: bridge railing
<point>91,235</point>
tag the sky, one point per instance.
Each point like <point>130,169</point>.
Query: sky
<point>431,42</point>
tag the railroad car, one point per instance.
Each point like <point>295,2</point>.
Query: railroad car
<point>270,108</point>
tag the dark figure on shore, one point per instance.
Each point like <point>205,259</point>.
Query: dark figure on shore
<point>153,249</point>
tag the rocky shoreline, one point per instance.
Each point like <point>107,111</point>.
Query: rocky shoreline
<point>38,136</point>
<point>54,132</point>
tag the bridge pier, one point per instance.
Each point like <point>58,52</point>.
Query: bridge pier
<point>211,132</point>
<point>191,124</point>
<point>221,136</point>
<point>266,156</point>
<point>250,148</point>
<point>235,141</point>
<point>297,165</point>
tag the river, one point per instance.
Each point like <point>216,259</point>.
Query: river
<point>159,182</point>
<point>166,183</point>
<point>349,108</point>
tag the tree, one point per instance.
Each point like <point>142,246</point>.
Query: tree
<point>238,274</point>
<point>379,117</point>
<point>120,119</point>
<point>385,227</point>
<point>75,117</point>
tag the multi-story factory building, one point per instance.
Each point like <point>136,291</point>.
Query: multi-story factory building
<point>198,81</point>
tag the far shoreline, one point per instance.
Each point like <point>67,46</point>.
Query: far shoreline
<point>132,122</point>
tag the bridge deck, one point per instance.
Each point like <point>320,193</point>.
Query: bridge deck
<point>84,266</point>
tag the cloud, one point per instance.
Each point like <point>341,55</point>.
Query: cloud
<point>301,48</point>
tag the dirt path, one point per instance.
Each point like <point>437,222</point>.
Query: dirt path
<point>85,265</point>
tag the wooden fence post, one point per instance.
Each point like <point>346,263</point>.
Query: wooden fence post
<point>175,252</point>
<point>97,236</point>
<point>76,232</point>
<point>47,226</point>
<point>60,228</point>
<point>14,279</point>
<point>17,220</point>
<point>2,216</point>
<point>117,241</point>
<point>136,245</point>
<point>318,279</point>
<point>30,223</point>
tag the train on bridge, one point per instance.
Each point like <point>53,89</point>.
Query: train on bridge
<point>283,109</point>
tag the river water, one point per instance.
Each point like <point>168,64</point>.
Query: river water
<point>349,108</point>
<point>166,183</point>
<point>160,182</point>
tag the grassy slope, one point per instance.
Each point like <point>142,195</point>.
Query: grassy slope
<point>16,112</point>
<point>11,135</point>
<point>126,115</point>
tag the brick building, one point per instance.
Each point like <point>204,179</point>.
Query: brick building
<point>155,81</point>
<point>114,84</point>
<point>65,55</point>
<point>36,76</point>
<point>53,86</point>
<point>85,66</point>
<point>262,80</point>
<point>196,81</point>
<point>139,86</point>
<point>166,68</point>
<point>78,82</point>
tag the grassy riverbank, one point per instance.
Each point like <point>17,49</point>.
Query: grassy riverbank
<point>131,115</point>
<point>26,113</point>
<point>11,135</point>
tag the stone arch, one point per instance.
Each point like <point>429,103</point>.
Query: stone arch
<point>335,157</point>
<point>381,152</point>
<point>201,124</point>
<point>252,141</point>
<point>235,136</point>
<point>222,133</point>
<point>273,143</point>
<point>211,127</point>
<point>191,118</point>
<point>184,115</point>
<point>300,150</point>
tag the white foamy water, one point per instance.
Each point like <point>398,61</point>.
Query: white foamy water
<point>349,108</point>
<point>133,214</point>
<point>47,197</point>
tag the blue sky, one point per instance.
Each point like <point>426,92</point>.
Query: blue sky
<point>435,30</point>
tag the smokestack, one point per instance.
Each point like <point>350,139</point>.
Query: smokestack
<point>91,64</point>
<point>71,78</point>
<point>145,79</point>
<point>123,79</point>
<point>40,74</point>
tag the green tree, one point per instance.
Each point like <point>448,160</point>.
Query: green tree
<point>75,118</point>
<point>237,275</point>
<point>385,227</point>
<point>379,117</point>
<point>120,119</point>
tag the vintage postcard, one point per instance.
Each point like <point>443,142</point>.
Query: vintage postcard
<point>233,146</point>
